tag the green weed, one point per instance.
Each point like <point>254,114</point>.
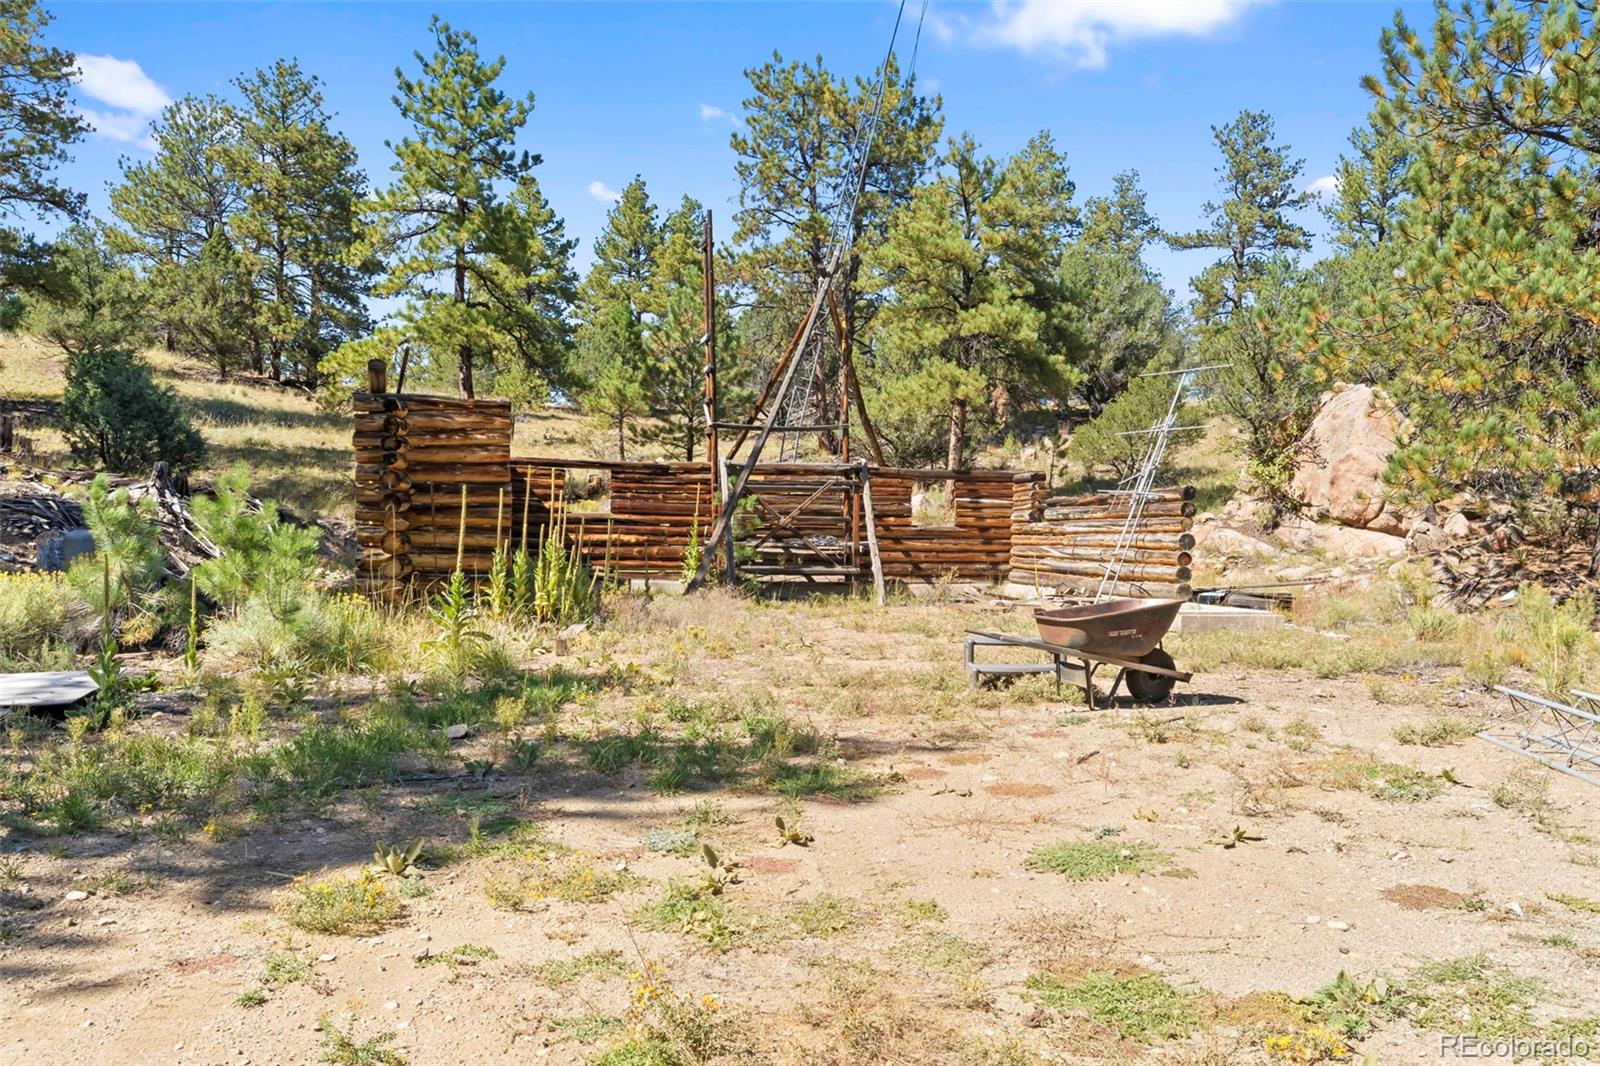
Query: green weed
<point>340,904</point>
<point>1094,860</point>
<point>1141,1007</point>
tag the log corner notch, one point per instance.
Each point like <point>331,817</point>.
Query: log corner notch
<point>431,475</point>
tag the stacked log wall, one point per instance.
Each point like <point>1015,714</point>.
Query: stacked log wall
<point>1065,542</point>
<point>433,476</point>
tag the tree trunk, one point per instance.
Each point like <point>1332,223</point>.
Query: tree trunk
<point>958,434</point>
<point>622,440</point>
<point>464,351</point>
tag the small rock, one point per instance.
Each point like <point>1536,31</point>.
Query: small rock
<point>391,1005</point>
<point>424,936</point>
<point>1312,919</point>
<point>1514,907</point>
<point>1338,926</point>
<point>76,895</point>
<point>1447,858</point>
<point>457,731</point>
<point>106,921</point>
<point>326,958</point>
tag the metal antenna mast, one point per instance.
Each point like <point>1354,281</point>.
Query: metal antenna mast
<point>1139,486</point>
<point>799,346</point>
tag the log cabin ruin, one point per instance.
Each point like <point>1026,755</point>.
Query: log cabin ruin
<point>436,480</point>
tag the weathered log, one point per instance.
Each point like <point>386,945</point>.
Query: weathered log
<point>1180,508</point>
<point>1112,527</point>
<point>1169,493</point>
<point>1023,552</point>
<point>1129,571</point>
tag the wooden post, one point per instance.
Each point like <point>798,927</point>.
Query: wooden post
<point>377,376</point>
<point>7,432</point>
<point>708,278</point>
<point>872,534</point>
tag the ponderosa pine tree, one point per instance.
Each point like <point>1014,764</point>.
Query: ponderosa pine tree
<point>38,123</point>
<point>1371,184</point>
<point>93,301</point>
<point>1487,332</point>
<point>624,255</point>
<point>1253,223</point>
<point>612,356</point>
<point>1121,319</point>
<point>1268,389</point>
<point>795,170</point>
<point>168,208</point>
<point>295,228</point>
<point>483,272</point>
<point>612,365</point>
<point>1121,222</point>
<point>971,262</point>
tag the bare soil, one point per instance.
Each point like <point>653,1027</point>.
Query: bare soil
<point>930,920</point>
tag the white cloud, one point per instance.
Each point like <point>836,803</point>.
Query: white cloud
<point>1084,30</point>
<point>133,99</point>
<point>122,83</point>
<point>119,126</point>
<point>711,111</point>
<point>603,192</point>
<point>1327,185</point>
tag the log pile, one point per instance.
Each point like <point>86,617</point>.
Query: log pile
<point>1475,574</point>
<point>431,474</point>
<point>1065,542</point>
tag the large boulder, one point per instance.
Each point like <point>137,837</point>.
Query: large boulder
<point>1347,448</point>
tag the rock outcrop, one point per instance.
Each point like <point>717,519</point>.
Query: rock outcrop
<point>1347,449</point>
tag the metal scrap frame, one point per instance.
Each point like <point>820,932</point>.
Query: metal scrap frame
<point>1549,732</point>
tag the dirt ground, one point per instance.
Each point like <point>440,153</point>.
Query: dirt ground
<point>911,928</point>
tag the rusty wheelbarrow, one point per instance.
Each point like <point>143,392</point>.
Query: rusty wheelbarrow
<point>1125,633</point>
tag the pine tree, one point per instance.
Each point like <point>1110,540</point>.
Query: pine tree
<point>624,255</point>
<point>611,352</point>
<point>38,124</point>
<point>1247,303</point>
<point>1371,183</point>
<point>1253,223</point>
<point>612,305</point>
<point>170,206</point>
<point>300,187</point>
<point>1487,330</point>
<point>94,302</point>
<point>1120,223</point>
<point>503,260</point>
<point>1121,320</point>
<point>795,171</point>
<point>971,263</point>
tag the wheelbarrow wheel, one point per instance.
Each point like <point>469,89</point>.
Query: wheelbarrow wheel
<point>1151,688</point>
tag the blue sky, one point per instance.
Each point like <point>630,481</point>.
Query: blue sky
<point>655,88</point>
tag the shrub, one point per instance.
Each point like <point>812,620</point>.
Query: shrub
<point>340,904</point>
<point>114,415</point>
<point>262,557</point>
<point>41,620</point>
<point>1100,445</point>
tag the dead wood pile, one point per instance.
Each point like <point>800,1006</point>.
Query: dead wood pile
<point>1479,572</point>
